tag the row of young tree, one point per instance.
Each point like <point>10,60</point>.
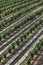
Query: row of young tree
<point>16,4</point>
<point>22,37</point>
<point>18,8</point>
<point>12,18</point>
<point>19,24</point>
<point>6,3</point>
<point>34,52</point>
